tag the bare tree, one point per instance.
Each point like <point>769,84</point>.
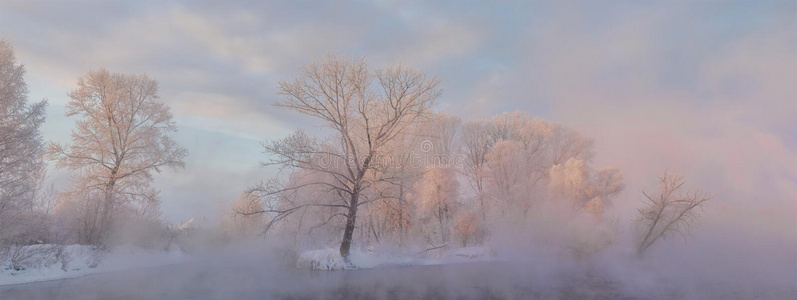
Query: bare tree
<point>121,138</point>
<point>672,211</point>
<point>21,146</point>
<point>366,111</point>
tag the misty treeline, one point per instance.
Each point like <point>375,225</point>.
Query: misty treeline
<point>389,173</point>
<point>394,174</point>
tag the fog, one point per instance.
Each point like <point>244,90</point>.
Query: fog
<point>396,150</point>
<point>712,271</point>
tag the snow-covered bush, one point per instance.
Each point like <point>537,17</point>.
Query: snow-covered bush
<point>19,258</point>
<point>322,259</point>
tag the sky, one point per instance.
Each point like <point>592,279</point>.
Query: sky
<point>704,88</point>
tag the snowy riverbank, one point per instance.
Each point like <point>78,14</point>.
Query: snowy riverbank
<point>37,263</point>
<point>330,259</point>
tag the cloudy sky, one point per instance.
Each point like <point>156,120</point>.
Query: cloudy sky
<point>704,88</point>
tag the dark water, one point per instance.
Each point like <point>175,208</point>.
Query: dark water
<point>258,280</point>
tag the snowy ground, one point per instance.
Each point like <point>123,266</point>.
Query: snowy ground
<point>330,259</point>
<point>37,263</point>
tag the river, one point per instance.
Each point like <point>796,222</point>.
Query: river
<point>240,280</point>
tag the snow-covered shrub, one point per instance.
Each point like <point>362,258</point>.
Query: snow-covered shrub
<point>323,259</point>
<point>43,256</point>
<point>34,256</point>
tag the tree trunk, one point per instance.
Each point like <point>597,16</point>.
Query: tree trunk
<point>401,213</point>
<point>351,219</point>
<point>440,221</point>
<point>645,243</point>
<point>107,209</point>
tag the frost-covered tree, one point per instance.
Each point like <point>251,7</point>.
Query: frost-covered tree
<point>508,158</point>
<point>392,216</point>
<point>438,197</point>
<point>564,144</point>
<point>671,211</point>
<point>509,177</point>
<point>586,189</point>
<point>367,111</point>
<point>120,139</point>
<point>21,146</point>
<point>238,222</point>
<point>467,226</point>
<point>429,143</point>
<point>505,171</point>
<point>476,143</point>
<point>440,139</point>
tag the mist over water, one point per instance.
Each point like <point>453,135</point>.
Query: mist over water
<point>397,150</point>
<point>724,266</point>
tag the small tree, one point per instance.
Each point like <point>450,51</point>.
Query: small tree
<point>672,211</point>
<point>121,138</point>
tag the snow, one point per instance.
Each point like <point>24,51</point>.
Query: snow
<point>322,259</point>
<point>472,252</point>
<point>330,259</point>
<point>52,262</point>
